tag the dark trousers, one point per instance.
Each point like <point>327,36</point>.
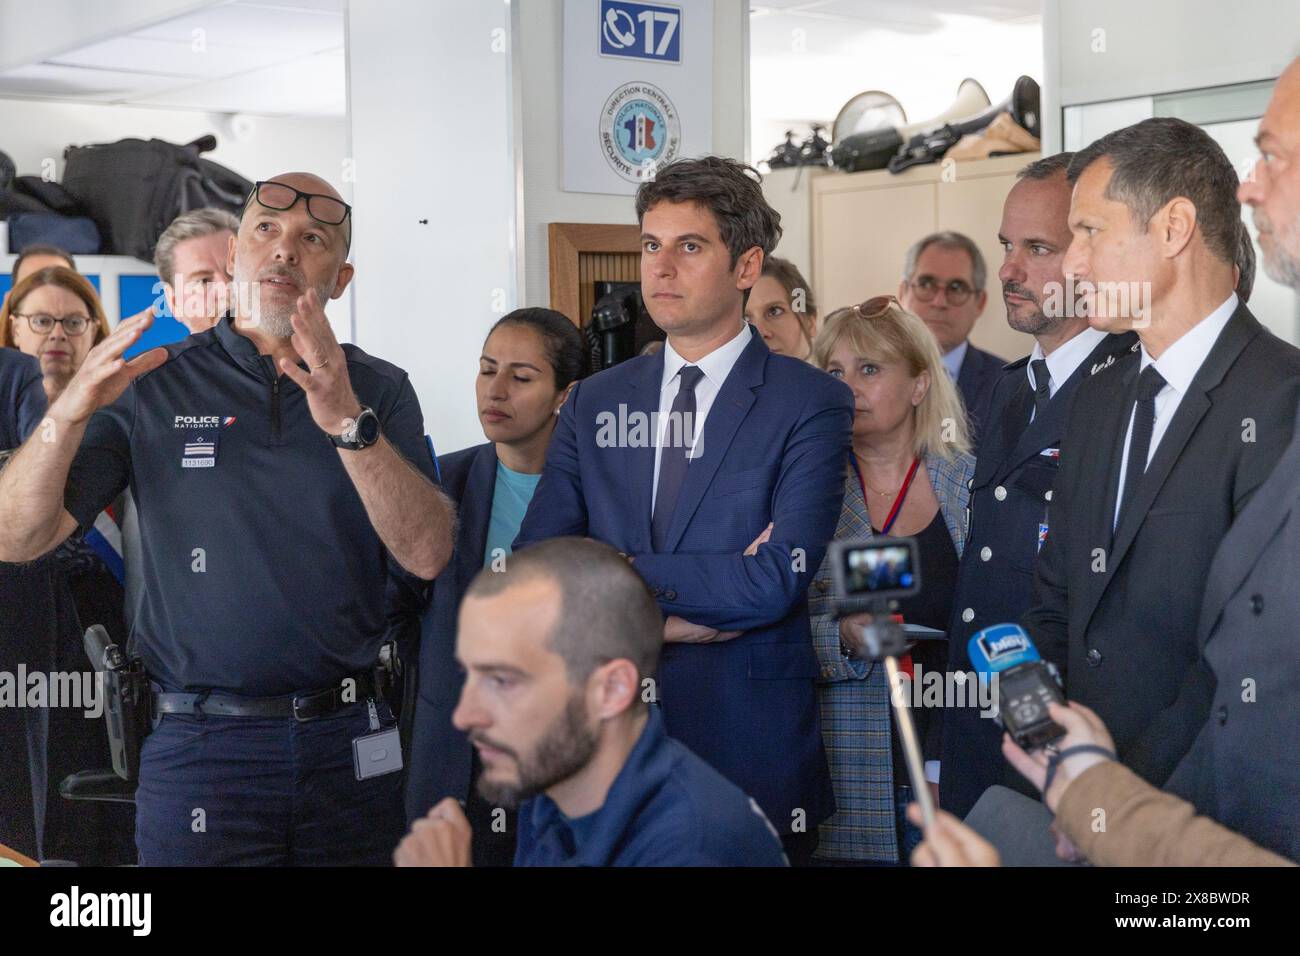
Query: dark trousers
<point>242,791</point>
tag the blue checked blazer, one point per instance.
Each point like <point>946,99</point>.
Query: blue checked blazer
<point>856,720</point>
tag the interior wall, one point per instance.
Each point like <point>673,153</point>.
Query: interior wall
<point>429,97</point>
<point>1114,49</point>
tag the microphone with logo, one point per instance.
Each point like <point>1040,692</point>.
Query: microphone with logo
<point>1005,656</point>
<point>1026,683</point>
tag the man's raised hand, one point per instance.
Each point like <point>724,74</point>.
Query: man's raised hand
<point>326,383</point>
<point>105,374</point>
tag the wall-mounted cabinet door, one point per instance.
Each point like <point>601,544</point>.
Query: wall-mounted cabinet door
<point>861,237</point>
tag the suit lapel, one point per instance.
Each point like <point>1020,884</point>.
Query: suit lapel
<point>647,384</point>
<point>1043,432</point>
<point>1113,407</point>
<point>1015,422</point>
<point>1241,328</point>
<point>970,377</point>
<point>724,419</point>
<point>476,512</point>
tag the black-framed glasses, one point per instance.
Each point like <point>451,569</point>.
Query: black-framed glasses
<point>279,196</point>
<point>956,292</point>
<point>42,323</point>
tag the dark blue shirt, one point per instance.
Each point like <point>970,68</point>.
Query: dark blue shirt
<point>262,574</point>
<point>22,397</point>
<point>666,807</point>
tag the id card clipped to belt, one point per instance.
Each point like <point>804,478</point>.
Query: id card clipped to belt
<point>378,752</point>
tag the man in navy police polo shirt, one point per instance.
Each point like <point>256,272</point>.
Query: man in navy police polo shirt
<point>558,650</point>
<point>282,480</point>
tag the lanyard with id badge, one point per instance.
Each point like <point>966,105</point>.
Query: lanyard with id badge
<point>378,751</point>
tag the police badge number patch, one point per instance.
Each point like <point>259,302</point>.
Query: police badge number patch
<point>200,449</point>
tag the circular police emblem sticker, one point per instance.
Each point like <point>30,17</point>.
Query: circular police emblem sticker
<point>639,130</point>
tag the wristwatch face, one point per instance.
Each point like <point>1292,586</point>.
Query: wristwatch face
<point>368,428</point>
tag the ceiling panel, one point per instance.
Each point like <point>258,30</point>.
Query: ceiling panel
<point>310,86</point>
<point>280,57</point>
<point>171,57</point>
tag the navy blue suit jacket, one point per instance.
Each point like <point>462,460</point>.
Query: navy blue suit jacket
<point>978,374</point>
<point>772,450</point>
<point>441,756</point>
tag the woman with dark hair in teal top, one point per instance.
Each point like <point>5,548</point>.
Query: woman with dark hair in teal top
<point>530,360</point>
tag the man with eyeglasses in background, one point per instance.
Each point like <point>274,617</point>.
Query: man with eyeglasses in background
<point>282,481</point>
<point>943,284</point>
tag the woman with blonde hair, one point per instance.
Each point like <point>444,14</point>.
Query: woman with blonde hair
<point>906,476</point>
<point>55,315</point>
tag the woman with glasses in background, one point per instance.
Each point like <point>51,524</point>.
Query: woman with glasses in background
<point>55,315</point>
<point>906,476</point>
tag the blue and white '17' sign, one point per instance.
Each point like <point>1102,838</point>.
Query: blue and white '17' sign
<point>642,31</point>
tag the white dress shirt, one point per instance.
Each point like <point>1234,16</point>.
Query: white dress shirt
<point>716,366</point>
<point>1177,366</point>
<point>1065,358</point>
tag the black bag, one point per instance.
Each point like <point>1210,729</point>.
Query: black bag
<point>50,193</point>
<point>13,203</point>
<point>134,188</point>
<point>7,171</point>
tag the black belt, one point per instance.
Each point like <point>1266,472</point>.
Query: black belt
<point>302,707</point>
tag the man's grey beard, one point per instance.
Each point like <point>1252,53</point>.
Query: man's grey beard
<point>565,748</point>
<point>1279,262</point>
<point>274,320</point>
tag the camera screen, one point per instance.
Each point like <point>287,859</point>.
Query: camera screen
<point>869,570</point>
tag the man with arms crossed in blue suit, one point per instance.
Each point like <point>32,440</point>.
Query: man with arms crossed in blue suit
<point>717,468</point>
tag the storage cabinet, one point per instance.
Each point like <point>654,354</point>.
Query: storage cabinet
<point>860,225</point>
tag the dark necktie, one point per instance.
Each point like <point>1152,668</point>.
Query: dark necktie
<point>1150,383</point>
<point>1042,386</point>
<point>674,456</point>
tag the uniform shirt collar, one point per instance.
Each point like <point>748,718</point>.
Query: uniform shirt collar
<point>952,360</point>
<point>604,831</point>
<point>1065,358</point>
<point>241,348</point>
<point>715,366</point>
<point>1182,360</point>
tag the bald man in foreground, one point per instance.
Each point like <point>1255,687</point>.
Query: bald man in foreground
<point>282,480</point>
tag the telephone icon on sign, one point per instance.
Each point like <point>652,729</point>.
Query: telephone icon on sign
<point>613,35</point>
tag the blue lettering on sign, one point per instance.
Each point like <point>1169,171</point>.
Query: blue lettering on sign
<point>641,31</point>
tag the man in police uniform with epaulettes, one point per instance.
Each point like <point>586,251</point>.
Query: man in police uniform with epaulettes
<point>282,482</point>
<point>1009,514</point>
